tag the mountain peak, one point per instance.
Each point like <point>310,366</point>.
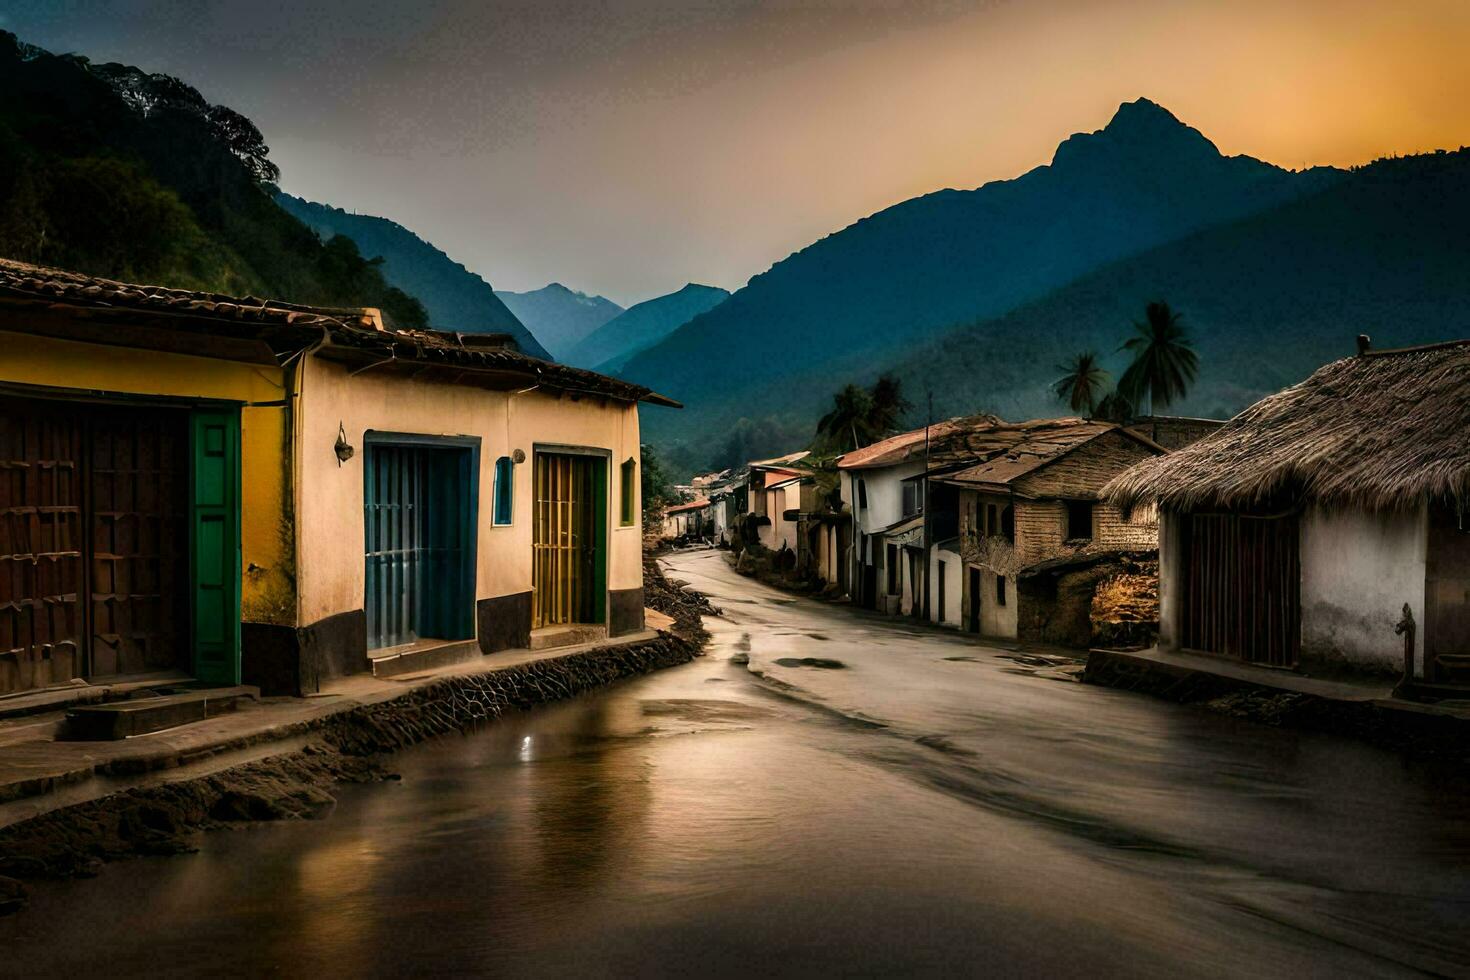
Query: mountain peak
<point>1141,127</point>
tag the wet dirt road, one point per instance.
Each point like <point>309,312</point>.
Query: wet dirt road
<point>826,791</point>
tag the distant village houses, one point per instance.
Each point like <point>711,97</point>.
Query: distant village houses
<point>984,517</point>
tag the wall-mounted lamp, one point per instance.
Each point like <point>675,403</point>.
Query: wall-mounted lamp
<point>519,456</point>
<point>343,448</point>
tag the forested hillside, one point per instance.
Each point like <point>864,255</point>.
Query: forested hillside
<point>109,170</point>
<point>455,297</point>
<point>1266,300</point>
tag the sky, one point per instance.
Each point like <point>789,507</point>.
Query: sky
<point>626,148</point>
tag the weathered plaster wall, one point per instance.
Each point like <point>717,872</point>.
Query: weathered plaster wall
<point>330,532</point>
<point>997,620</point>
<point>954,587</point>
<point>267,589</point>
<point>1358,570</point>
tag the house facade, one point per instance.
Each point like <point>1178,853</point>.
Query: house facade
<point>232,489</point>
<point>1325,525</point>
<point>965,510</point>
<point>690,520</point>
<point>1033,511</point>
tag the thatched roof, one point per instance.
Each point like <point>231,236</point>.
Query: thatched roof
<point>1384,430</point>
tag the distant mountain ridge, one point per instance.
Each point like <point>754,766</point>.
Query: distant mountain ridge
<point>455,297</point>
<point>558,316</point>
<point>1266,300</point>
<point>905,274</point>
<point>641,325</point>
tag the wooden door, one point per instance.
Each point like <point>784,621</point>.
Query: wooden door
<point>568,543</point>
<point>42,537</point>
<point>1242,587</point>
<point>214,534</point>
<point>138,563</point>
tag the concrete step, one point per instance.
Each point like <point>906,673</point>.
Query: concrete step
<point>573,634</point>
<point>423,655</point>
<point>143,712</point>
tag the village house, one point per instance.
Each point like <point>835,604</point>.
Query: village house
<point>989,518</point>
<point>727,507</point>
<point>235,489</point>
<point>687,521</point>
<point>1032,529</point>
<point>775,489</point>
<point>883,486</point>
<point>1325,525</point>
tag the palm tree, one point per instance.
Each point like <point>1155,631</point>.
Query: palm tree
<point>852,408</point>
<point>1164,361</point>
<point>888,406</point>
<point>1082,383</point>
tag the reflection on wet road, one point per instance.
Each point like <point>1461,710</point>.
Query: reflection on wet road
<point>827,791</point>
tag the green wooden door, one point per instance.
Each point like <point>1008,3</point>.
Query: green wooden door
<point>214,537</point>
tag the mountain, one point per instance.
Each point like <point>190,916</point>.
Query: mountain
<point>112,171</point>
<point>455,297</point>
<point>897,278</point>
<point>1266,299</point>
<point>558,316</point>
<point>639,326</point>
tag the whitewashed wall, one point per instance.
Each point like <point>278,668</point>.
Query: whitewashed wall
<point>1358,570</point>
<point>954,587</point>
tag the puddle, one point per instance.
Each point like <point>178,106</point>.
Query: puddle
<point>818,662</point>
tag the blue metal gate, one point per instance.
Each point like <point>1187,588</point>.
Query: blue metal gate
<point>419,515</point>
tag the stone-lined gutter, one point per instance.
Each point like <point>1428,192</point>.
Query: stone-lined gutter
<point>1421,731</point>
<point>345,747</point>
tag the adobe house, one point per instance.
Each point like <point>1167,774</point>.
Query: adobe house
<point>233,489</point>
<point>1326,523</point>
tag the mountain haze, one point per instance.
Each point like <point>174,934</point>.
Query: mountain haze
<point>455,298</point>
<point>558,316</point>
<point>897,278</point>
<point>641,325</point>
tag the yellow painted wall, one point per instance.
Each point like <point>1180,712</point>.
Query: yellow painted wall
<point>267,583</point>
<point>330,506</point>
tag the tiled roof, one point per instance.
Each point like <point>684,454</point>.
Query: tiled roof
<point>908,446</point>
<point>348,333</point>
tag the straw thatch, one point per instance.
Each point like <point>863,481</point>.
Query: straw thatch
<point>1384,430</point>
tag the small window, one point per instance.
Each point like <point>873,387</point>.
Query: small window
<point>504,490</point>
<point>1008,523</point>
<point>990,525</point>
<point>629,492</point>
<point>912,498</point>
<point>862,494</point>
<point>1000,590</point>
<point>1079,520</point>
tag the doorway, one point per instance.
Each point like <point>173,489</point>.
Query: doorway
<point>1242,586</point>
<point>974,600</point>
<point>569,539</point>
<point>119,542</point>
<point>419,517</point>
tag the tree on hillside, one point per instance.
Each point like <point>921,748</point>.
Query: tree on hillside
<point>1164,362</point>
<point>849,423</point>
<point>887,406</point>
<point>1082,384</point>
